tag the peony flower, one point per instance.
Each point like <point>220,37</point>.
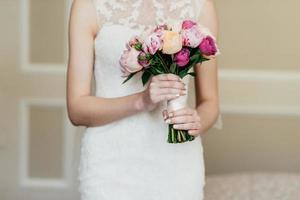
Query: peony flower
<point>153,42</point>
<point>208,46</point>
<point>144,59</point>
<point>129,62</point>
<point>172,42</point>
<point>133,41</point>
<point>205,31</point>
<point>192,37</point>
<point>187,24</point>
<point>182,57</point>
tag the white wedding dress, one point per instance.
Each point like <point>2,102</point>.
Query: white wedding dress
<point>130,159</point>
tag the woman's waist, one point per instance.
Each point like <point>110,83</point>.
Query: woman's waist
<point>138,122</point>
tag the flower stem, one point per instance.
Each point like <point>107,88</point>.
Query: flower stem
<point>183,136</point>
<point>163,63</point>
<point>178,136</point>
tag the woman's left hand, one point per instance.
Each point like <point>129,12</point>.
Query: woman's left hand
<point>184,119</point>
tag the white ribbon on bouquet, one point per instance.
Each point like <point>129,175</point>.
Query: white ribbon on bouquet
<point>181,101</point>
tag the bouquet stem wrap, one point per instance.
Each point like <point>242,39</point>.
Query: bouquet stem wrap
<point>175,135</point>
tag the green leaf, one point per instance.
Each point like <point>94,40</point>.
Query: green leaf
<point>192,74</point>
<point>145,77</point>
<point>173,68</point>
<point>195,57</point>
<point>129,77</point>
<point>149,56</point>
<point>155,71</point>
<point>138,46</point>
<point>182,73</point>
<point>202,58</point>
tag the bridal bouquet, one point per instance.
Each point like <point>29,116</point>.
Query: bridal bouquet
<point>169,49</point>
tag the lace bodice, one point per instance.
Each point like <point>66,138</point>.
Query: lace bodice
<point>142,14</point>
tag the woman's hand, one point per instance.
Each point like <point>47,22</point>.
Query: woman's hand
<point>162,87</point>
<point>184,119</point>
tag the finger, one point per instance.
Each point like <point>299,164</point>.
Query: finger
<point>194,132</point>
<point>182,119</point>
<point>170,91</point>
<point>167,97</point>
<point>183,111</point>
<point>165,114</point>
<point>167,77</point>
<point>172,84</point>
<point>187,126</point>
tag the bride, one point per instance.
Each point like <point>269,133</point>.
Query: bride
<point>124,152</point>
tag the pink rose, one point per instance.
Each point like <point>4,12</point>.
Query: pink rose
<point>187,24</point>
<point>153,42</point>
<point>192,37</point>
<point>182,57</point>
<point>208,46</point>
<point>129,62</point>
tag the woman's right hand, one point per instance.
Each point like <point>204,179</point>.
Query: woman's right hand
<point>160,88</point>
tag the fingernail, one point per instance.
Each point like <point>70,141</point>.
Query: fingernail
<point>177,95</point>
<point>168,121</point>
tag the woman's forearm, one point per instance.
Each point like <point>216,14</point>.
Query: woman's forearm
<point>97,111</point>
<point>208,112</point>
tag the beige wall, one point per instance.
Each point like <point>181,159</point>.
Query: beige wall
<point>259,34</point>
<point>46,36</point>
<point>260,109</point>
<point>259,87</point>
<point>31,93</point>
<point>252,143</point>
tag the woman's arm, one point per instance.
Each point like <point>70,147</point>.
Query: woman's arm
<point>206,80</point>
<point>87,110</point>
<point>198,120</point>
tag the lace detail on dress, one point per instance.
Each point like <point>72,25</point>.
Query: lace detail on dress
<point>143,14</point>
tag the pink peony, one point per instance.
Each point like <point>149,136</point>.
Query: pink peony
<point>192,37</point>
<point>182,57</point>
<point>187,24</point>
<point>129,62</point>
<point>208,46</point>
<point>153,42</point>
<point>205,31</point>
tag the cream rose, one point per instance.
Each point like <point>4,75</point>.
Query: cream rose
<point>172,42</point>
